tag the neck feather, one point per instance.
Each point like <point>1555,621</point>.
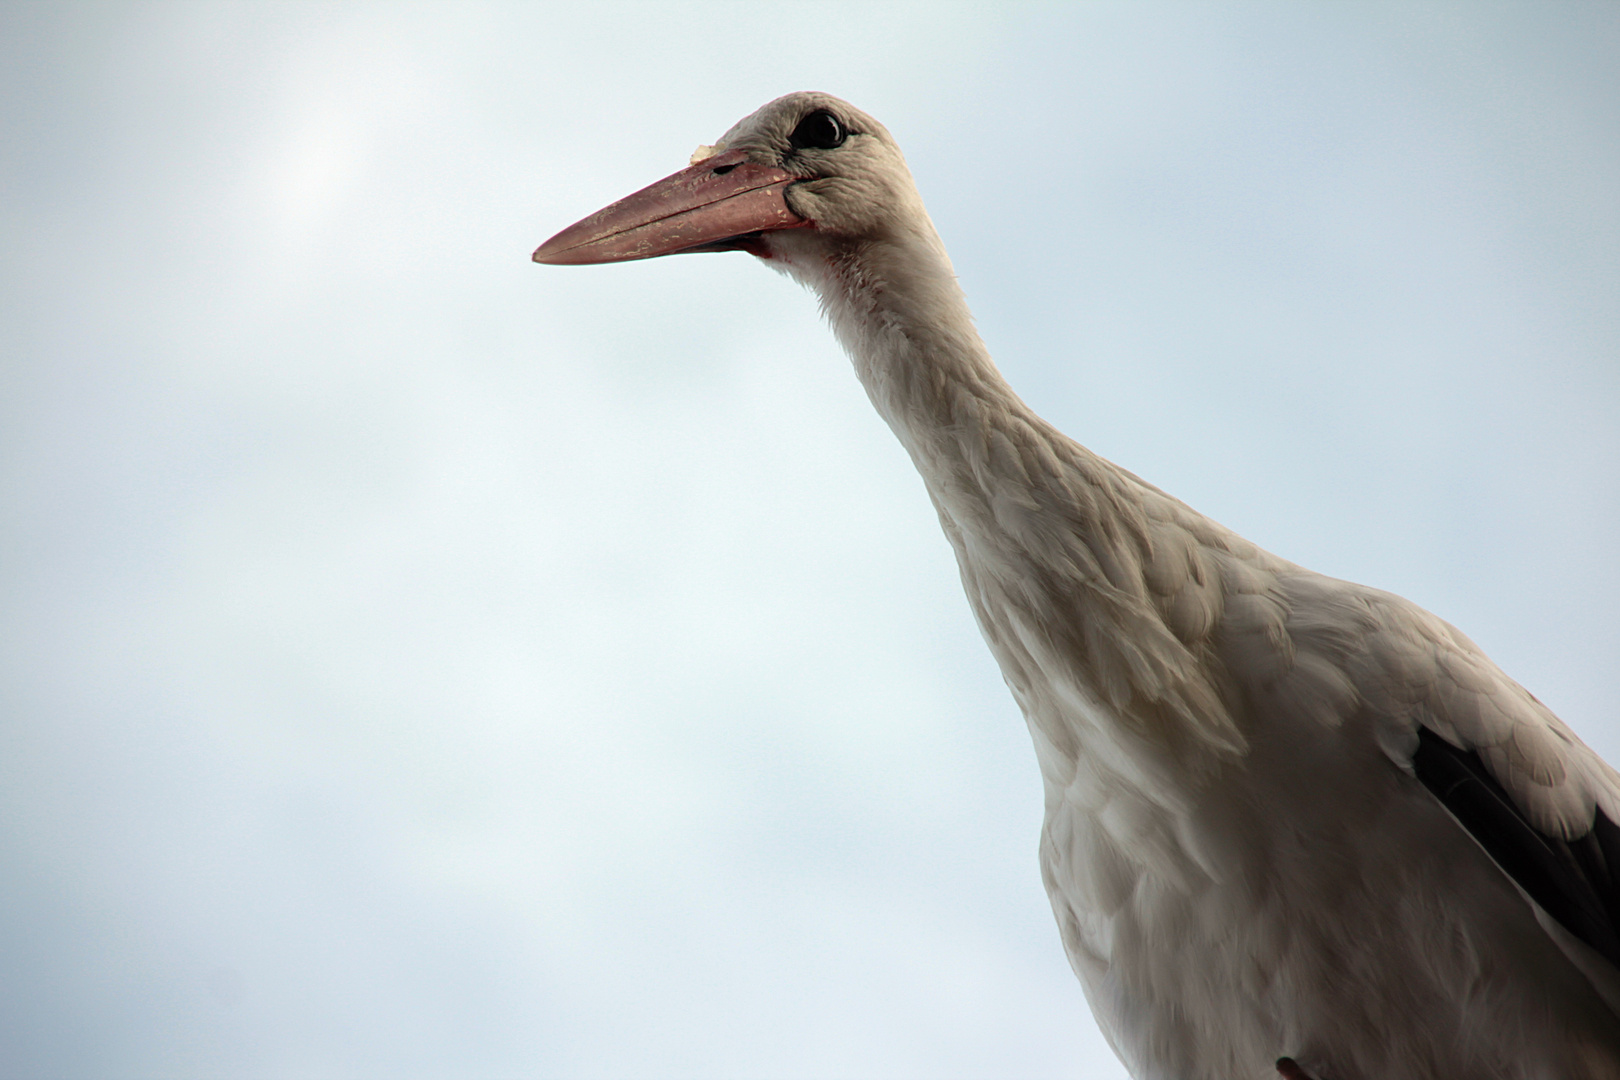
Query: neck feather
<point>898,310</point>
<point>1051,539</point>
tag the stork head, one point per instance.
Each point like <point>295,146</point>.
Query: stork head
<point>803,177</point>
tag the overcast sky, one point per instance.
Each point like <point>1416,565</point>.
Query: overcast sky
<point>417,662</point>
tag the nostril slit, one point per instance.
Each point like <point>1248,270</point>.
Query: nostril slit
<point>722,170</point>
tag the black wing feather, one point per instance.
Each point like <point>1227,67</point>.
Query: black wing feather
<point>1577,881</point>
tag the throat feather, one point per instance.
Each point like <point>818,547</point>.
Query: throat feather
<point>1053,542</point>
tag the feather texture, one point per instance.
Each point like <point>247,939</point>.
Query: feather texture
<point>1243,860</point>
<point>1291,822</point>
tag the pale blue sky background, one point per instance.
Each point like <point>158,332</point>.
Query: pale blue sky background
<point>416,662</point>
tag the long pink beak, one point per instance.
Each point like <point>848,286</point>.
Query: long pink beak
<point>710,206</point>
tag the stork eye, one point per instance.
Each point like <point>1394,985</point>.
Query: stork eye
<point>821,130</point>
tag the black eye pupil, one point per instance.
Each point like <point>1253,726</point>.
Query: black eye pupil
<point>821,130</point>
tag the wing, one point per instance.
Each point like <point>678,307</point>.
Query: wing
<point>1542,805</point>
<point>1573,880</point>
<point>1537,799</point>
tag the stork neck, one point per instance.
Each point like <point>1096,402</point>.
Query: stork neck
<point>898,310</point>
<point>1047,534</point>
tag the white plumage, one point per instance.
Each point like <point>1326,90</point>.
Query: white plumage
<point>1287,817</point>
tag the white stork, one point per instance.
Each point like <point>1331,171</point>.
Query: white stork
<point>1293,825</point>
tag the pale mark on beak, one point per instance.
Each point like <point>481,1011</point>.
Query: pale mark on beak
<point>704,153</point>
